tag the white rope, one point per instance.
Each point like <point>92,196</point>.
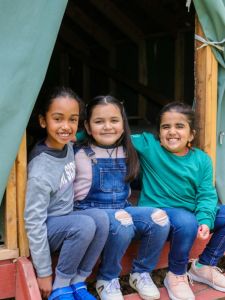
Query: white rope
<point>188,4</point>
<point>207,42</point>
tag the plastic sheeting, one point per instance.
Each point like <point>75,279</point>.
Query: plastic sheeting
<point>211,15</point>
<point>28,31</point>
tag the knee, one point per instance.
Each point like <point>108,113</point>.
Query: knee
<point>160,217</point>
<point>85,229</point>
<point>122,226</point>
<point>101,220</point>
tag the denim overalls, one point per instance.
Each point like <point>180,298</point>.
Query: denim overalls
<point>109,191</point>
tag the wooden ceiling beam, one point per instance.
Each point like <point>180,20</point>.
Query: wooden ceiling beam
<point>72,38</point>
<point>119,19</point>
<point>117,76</point>
<point>89,26</point>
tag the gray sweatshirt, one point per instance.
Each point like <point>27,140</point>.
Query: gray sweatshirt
<point>50,192</point>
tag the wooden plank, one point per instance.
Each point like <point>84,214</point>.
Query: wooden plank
<point>117,76</point>
<point>8,253</point>
<point>21,170</point>
<point>179,68</point>
<point>119,19</point>
<point>206,69</point>
<point>26,283</point>
<point>7,279</point>
<point>89,26</point>
<point>10,212</point>
<point>143,77</point>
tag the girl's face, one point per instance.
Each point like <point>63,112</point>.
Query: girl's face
<point>105,124</point>
<point>175,132</point>
<point>60,121</point>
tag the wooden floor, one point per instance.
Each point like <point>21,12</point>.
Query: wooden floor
<point>201,291</point>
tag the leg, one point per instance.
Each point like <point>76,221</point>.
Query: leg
<point>101,220</point>
<point>121,232</point>
<point>183,232</point>
<point>206,271</point>
<point>152,228</point>
<point>216,247</point>
<point>72,235</point>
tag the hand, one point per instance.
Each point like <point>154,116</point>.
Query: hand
<point>203,232</point>
<point>45,285</point>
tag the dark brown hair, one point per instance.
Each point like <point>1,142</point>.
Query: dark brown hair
<point>125,140</point>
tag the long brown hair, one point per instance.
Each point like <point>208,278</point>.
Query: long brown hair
<point>125,140</point>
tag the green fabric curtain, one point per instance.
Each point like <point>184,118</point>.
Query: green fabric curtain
<point>212,18</point>
<point>28,31</point>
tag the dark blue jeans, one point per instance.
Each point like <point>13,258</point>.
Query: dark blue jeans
<point>80,238</point>
<point>140,225</point>
<point>183,231</point>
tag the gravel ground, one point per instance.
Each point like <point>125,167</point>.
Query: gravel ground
<point>157,276</point>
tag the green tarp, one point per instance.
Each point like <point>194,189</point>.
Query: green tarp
<point>212,18</point>
<point>28,31</point>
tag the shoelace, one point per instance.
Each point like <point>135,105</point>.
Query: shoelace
<point>145,279</point>
<point>113,286</point>
<point>184,278</point>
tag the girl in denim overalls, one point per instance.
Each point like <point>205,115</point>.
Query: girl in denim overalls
<point>106,163</point>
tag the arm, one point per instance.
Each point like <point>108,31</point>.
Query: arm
<point>37,202</point>
<point>206,197</point>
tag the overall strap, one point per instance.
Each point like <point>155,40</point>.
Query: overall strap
<point>90,153</point>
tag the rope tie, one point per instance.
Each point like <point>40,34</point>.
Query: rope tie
<point>208,43</point>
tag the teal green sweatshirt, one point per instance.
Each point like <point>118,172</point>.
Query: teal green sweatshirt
<point>176,181</point>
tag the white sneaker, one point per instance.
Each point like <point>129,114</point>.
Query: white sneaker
<point>143,284</point>
<point>109,290</point>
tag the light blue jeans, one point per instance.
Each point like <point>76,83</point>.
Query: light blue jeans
<point>184,227</point>
<point>142,225</point>
<point>79,237</point>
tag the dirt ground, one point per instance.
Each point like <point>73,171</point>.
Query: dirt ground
<point>157,276</point>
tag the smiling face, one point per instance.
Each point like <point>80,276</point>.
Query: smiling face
<point>175,132</point>
<point>106,124</point>
<point>60,121</point>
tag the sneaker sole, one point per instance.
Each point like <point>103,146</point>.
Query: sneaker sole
<point>144,297</point>
<point>114,298</point>
<point>202,280</point>
<point>172,297</point>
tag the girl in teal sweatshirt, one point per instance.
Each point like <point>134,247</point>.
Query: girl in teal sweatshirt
<point>179,179</point>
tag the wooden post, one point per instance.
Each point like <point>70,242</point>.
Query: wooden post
<point>21,178</point>
<point>179,68</point>
<point>143,77</point>
<point>206,69</point>
<point>10,212</point>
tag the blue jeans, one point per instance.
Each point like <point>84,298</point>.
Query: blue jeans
<point>139,224</point>
<point>183,231</point>
<point>80,238</point>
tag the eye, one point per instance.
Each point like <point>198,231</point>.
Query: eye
<point>115,121</point>
<point>180,126</point>
<point>74,120</point>
<point>165,126</point>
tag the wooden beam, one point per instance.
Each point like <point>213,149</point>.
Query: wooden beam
<point>143,78</point>
<point>206,69</point>
<point>119,19</point>
<point>179,68</point>
<point>8,253</point>
<point>7,279</point>
<point>117,76</point>
<point>10,212</point>
<point>74,40</point>
<point>21,178</point>
<point>89,26</point>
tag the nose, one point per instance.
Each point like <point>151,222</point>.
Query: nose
<point>172,130</point>
<point>107,125</point>
<point>65,125</point>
